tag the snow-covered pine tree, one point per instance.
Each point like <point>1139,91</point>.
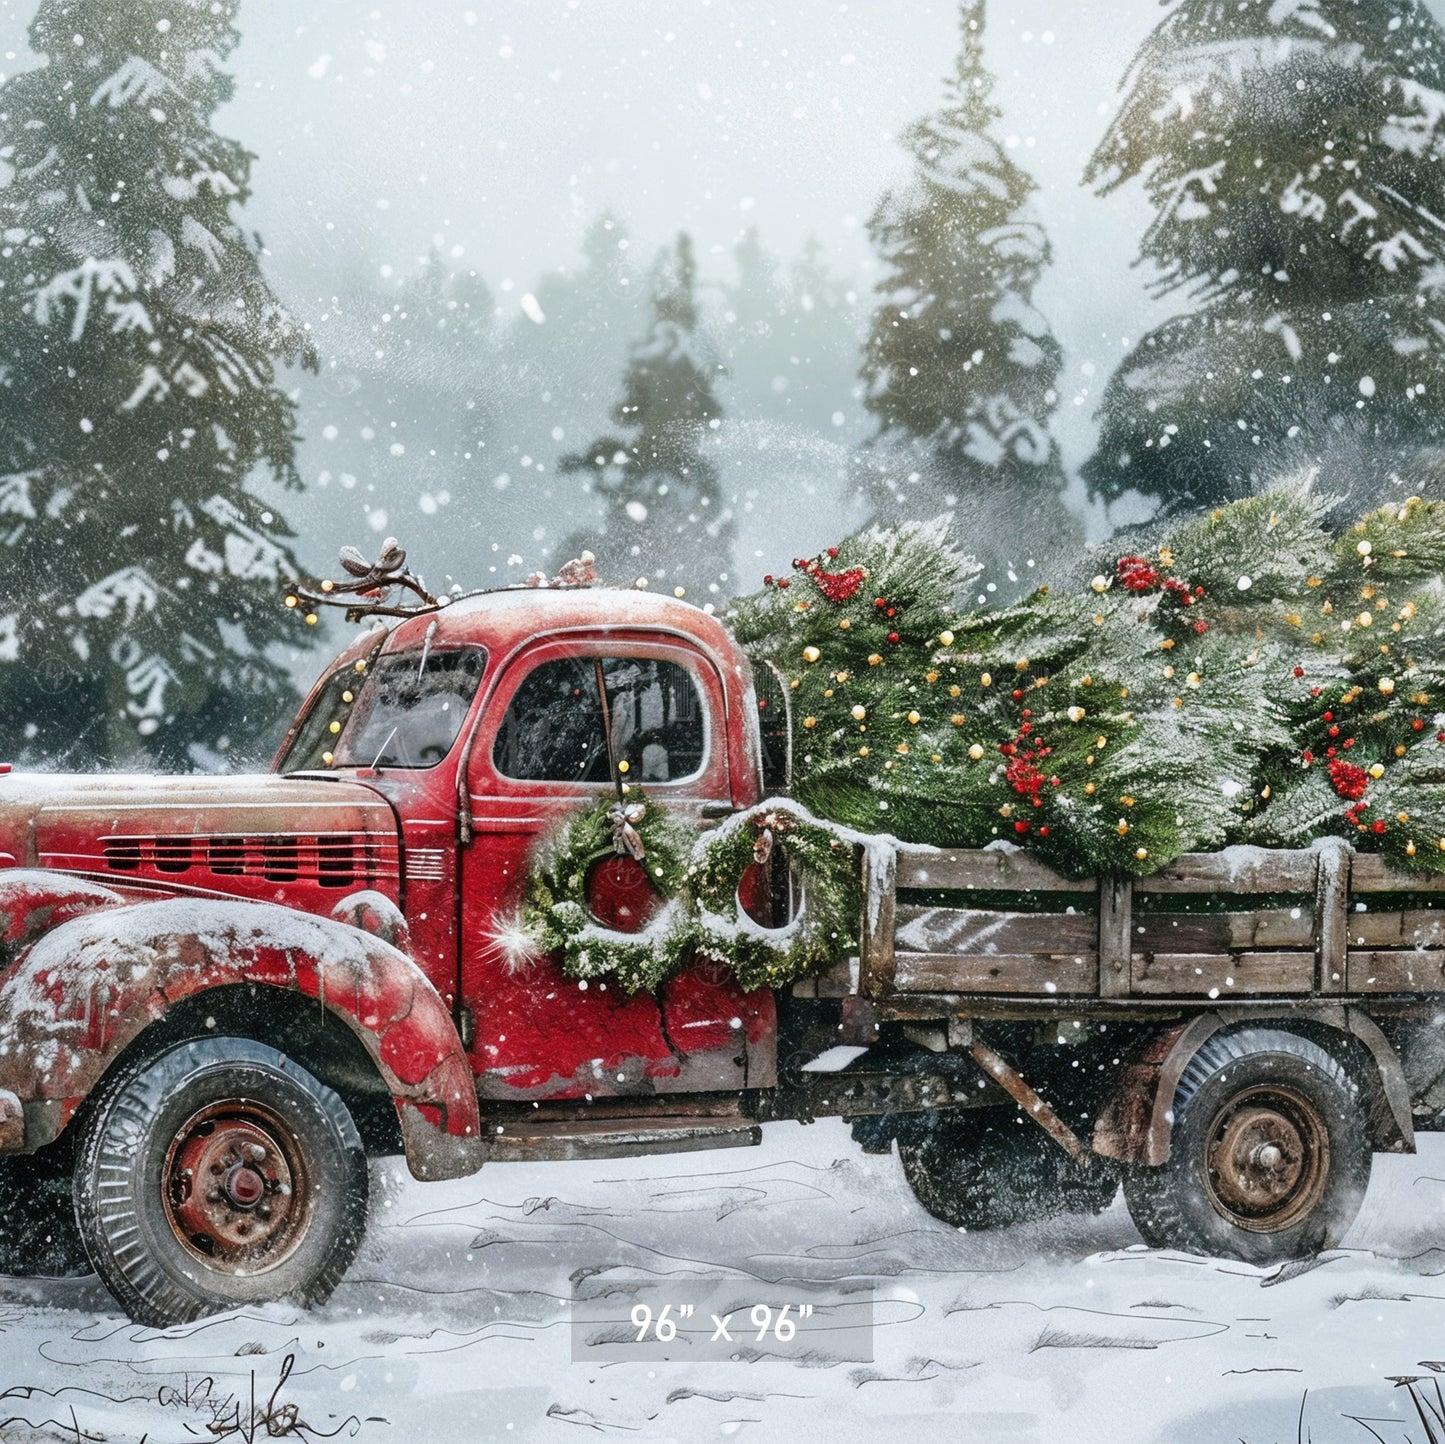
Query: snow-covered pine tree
<point>1293,153</point>
<point>960,367</point>
<point>666,517</point>
<point>138,346</point>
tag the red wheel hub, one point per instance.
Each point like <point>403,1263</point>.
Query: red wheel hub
<point>236,1189</point>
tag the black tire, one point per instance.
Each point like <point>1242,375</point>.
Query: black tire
<point>216,1175</point>
<point>1270,1155</point>
<point>38,1237</point>
<point>991,1168</point>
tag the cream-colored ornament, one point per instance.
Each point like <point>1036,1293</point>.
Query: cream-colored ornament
<point>1387,686</point>
<point>986,679</point>
<point>1377,771</point>
<point>946,638</point>
<point>1364,548</point>
<point>811,654</point>
<point>976,751</point>
<point>858,712</point>
<point>1077,714</point>
<point>1100,583</point>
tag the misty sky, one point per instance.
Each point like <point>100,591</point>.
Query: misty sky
<point>502,128</point>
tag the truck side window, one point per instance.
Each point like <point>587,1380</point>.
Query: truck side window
<point>553,731</point>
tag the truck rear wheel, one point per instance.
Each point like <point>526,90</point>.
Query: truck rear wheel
<point>1270,1155</point>
<point>991,1168</point>
<point>219,1174</point>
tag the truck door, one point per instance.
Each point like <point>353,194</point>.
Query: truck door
<point>540,753</point>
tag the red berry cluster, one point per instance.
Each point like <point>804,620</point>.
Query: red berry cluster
<point>1138,575</point>
<point>1023,774</point>
<point>835,586</point>
<point>1348,780</point>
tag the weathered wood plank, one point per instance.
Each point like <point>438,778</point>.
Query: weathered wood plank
<point>875,928</point>
<point>1221,932</point>
<point>1236,869</point>
<point>1405,970</point>
<point>1413,928</point>
<point>1116,900</point>
<point>1371,873</point>
<point>1041,973</point>
<point>986,868</point>
<point>959,930</point>
<point>1332,903</point>
<point>1193,974</point>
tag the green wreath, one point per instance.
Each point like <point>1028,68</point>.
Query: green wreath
<point>825,923</point>
<point>555,913</point>
<point>698,880</point>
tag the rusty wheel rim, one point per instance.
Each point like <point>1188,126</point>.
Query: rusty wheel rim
<point>237,1193</point>
<point>1267,1159</point>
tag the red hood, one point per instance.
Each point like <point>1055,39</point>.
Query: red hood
<point>302,841</point>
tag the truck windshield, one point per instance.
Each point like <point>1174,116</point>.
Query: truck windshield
<point>405,712</point>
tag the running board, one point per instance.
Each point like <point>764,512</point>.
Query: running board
<point>549,1140</point>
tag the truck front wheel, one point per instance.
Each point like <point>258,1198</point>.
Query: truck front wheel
<point>992,1168</point>
<point>1270,1155</point>
<point>218,1174</point>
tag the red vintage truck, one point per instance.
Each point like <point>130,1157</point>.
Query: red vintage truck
<point>221,994</point>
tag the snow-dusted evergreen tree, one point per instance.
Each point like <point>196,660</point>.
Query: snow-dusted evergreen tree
<point>960,367</point>
<point>666,517</point>
<point>138,345</point>
<point>1293,152</point>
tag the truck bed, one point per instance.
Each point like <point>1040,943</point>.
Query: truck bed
<point>1246,923</point>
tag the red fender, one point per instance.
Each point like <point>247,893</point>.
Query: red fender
<point>74,999</point>
<point>31,903</point>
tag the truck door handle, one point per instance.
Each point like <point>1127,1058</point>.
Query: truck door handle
<point>717,809</point>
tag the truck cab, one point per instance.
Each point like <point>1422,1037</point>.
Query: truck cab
<point>482,726</point>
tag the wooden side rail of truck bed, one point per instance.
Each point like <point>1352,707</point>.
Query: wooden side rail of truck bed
<point>1246,922</point>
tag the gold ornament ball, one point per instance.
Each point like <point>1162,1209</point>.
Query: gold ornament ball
<point>624,766</point>
<point>946,638</point>
<point>1122,828</point>
<point>1100,583</point>
<point>1378,770</point>
<point>914,718</point>
<point>810,721</point>
<point>975,751</point>
<point>328,585</point>
<point>1090,789</point>
<point>985,679</point>
<point>361,665</point>
<point>293,601</point>
<point>1077,714</point>
<point>957,719</point>
<point>327,758</point>
<point>1141,853</point>
<point>311,619</point>
<point>335,728</point>
<point>844,624</point>
<point>811,654</point>
<point>858,712</point>
<point>874,659</point>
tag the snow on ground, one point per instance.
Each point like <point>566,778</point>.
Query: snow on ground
<point>453,1324</point>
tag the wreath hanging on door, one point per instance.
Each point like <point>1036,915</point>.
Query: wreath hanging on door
<point>695,883</point>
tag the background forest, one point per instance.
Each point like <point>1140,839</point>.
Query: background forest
<point>191,411</point>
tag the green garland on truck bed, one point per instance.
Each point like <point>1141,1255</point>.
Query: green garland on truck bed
<point>1174,702</point>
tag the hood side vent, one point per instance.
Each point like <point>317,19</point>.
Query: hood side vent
<point>328,860</point>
